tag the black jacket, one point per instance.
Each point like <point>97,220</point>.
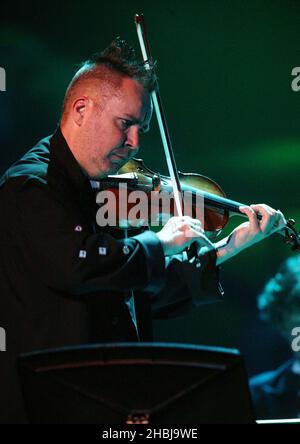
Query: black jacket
<point>65,281</point>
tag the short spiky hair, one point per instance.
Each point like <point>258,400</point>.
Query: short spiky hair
<point>117,60</point>
<point>281,295</point>
<point>120,57</point>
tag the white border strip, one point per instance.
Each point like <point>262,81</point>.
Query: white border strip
<point>278,421</point>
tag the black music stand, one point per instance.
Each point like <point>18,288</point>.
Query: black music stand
<point>152,383</point>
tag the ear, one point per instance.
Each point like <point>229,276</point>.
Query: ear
<point>79,109</point>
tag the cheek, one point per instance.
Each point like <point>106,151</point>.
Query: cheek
<point>103,137</point>
<point>95,138</point>
<point>110,138</point>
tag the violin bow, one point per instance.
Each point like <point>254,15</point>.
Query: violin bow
<point>160,115</point>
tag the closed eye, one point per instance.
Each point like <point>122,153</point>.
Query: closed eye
<point>126,123</point>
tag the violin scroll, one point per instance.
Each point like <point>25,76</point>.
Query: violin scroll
<point>291,235</point>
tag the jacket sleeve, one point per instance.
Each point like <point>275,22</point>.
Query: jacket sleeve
<point>65,254</point>
<point>188,285</point>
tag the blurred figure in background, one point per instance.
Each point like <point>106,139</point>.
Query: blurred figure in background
<point>276,394</point>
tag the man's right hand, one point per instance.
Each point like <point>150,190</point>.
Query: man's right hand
<point>180,232</point>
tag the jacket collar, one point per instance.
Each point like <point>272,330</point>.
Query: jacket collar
<point>65,173</point>
<point>64,162</point>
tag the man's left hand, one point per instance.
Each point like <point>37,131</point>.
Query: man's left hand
<point>253,231</point>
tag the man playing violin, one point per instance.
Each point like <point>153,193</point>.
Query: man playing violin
<point>65,280</point>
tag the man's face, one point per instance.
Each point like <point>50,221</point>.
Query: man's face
<point>111,132</point>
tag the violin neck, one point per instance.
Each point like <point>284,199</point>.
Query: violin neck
<point>213,200</point>
<point>222,203</point>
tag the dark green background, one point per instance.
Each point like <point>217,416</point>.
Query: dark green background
<point>225,78</point>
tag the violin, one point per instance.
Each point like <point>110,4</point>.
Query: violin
<point>206,201</point>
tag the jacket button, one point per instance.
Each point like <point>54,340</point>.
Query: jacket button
<point>126,250</point>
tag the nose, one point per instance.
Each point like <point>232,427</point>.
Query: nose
<point>132,140</point>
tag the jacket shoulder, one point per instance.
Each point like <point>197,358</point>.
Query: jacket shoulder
<point>33,166</point>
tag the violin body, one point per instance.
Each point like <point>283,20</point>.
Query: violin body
<point>213,219</point>
<point>145,198</point>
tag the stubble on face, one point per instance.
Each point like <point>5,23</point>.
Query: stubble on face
<point>106,139</point>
